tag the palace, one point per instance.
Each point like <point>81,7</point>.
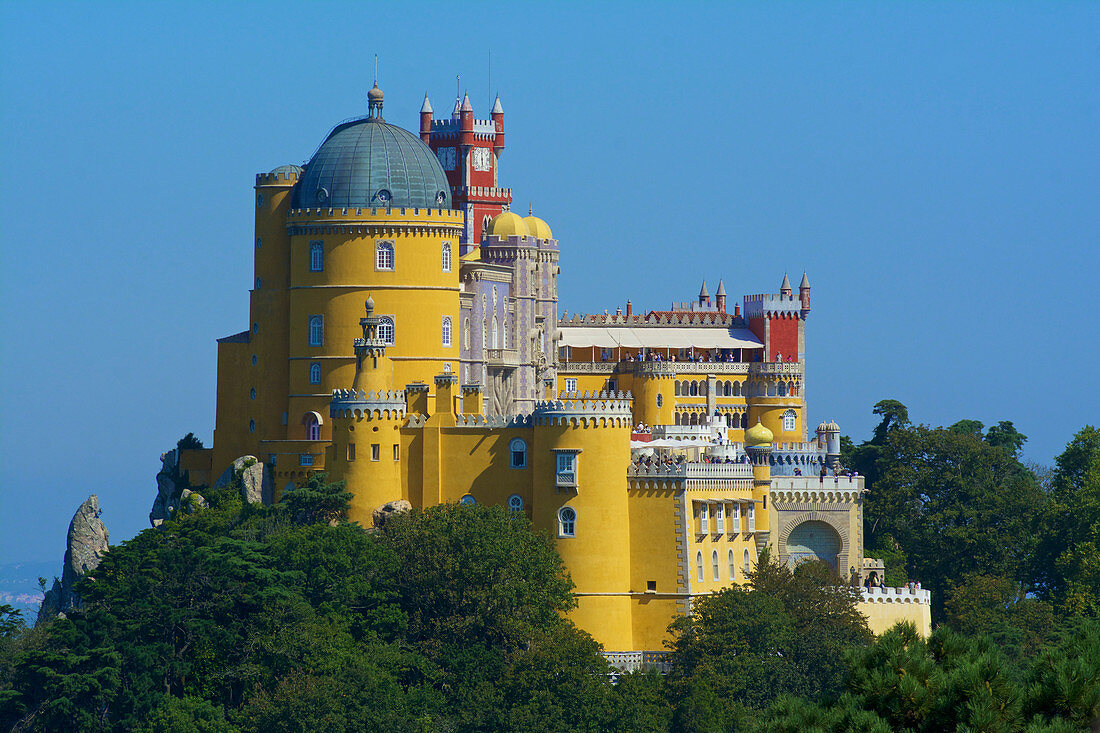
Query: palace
<point>405,337</point>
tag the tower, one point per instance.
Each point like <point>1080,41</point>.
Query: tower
<point>469,150</point>
<point>758,446</point>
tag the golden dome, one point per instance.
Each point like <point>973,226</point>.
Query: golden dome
<point>538,227</point>
<point>758,435</point>
<point>508,224</point>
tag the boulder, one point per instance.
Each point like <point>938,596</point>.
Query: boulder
<point>85,547</point>
<point>382,514</point>
<point>166,489</point>
<point>190,502</point>
<point>256,481</point>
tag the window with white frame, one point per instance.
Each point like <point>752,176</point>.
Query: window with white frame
<point>517,453</point>
<point>446,257</point>
<point>313,426</point>
<point>751,517</point>
<point>496,333</point>
<point>386,330</point>
<point>704,518</point>
<point>570,384</point>
<point>567,522</point>
<point>567,463</point>
<point>733,565</point>
<point>719,517</point>
<point>316,256</point>
<point>515,502</point>
<point>447,331</point>
<point>699,566</point>
<point>714,565</point>
<point>789,421</point>
<point>316,330</point>
<point>305,459</point>
<point>466,335</point>
<point>315,373</point>
<point>383,256</point>
<point>748,563</point>
<point>735,518</point>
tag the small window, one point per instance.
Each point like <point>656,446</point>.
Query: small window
<point>612,385</point>
<point>466,334</point>
<point>570,385</point>
<point>316,256</point>
<point>447,331</point>
<point>699,566</point>
<point>467,500</point>
<point>383,256</point>
<point>733,565</point>
<point>660,400</point>
<point>255,327</point>
<point>704,520</point>
<point>272,458</point>
<point>446,257</point>
<point>251,426</point>
<point>252,393</point>
<point>259,243</point>
<point>351,451</point>
<point>714,565</point>
<point>397,451</point>
<point>515,502</point>
<point>316,330</point>
<point>313,427</point>
<point>735,518</point>
<point>566,462</point>
<point>517,453</point>
<point>254,359</point>
<point>386,330</point>
<point>315,373</point>
<point>719,518</point>
<point>748,563</point>
<point>789,421</point>
<point>375,452</point>
<point>259,283</point>
<point>305,459</point>
<point>567,522</point>
<point>259,200</point>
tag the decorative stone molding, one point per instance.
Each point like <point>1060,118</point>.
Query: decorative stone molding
<point>904,594</point>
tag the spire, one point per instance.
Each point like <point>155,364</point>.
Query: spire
<point>427,106</point>
<point>805,282</point>
<point>703,294</point>
<point>497,109</point>
<point>721,288</point>
<point>785,288</point>
<point>466,106</point>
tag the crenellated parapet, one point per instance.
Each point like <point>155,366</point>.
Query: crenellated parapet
<point>586,409</point>
<point>388,404</point>
<point>286,175</point>
<point>772,306</point>
<point>375,222</point>
<point>905,594</point>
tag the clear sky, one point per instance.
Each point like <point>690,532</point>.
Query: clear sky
<point>933,166</point>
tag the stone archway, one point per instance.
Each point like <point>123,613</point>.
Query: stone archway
<point>813,540</point>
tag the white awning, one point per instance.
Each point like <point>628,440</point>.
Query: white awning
<point>580,337</point>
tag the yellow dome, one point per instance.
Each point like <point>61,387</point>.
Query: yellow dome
<point>538,227</point>
<point>508,224</point>
<point>758,435</point>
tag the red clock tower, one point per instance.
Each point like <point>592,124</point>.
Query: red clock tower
<point>469,151</point>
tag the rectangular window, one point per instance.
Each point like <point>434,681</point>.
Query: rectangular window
<point>351,451</point>
<point>570,385</point>
<point>305,459</point>
<point>271,458</point>
<point>751,518</point>
<point>704,520</point>
<point>565,462</point>
<point>719,518</point>
<point>565,353</point>
<point>612,385</point>
<point>396,452</point>
<point>735,518</point>
<point>566,474</point>
<point>375,452</point>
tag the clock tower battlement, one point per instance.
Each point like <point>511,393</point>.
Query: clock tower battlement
<point>469,150</point>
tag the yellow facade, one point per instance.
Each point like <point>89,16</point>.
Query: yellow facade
<point>382,352</point>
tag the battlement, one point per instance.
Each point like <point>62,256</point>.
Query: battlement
<point>382,404</point>
<point>492,192</point>
<point>905,594</point>
<point>278,177</point>
<point>653,318</point>
<point>447,127</point>
<point>606,409</point>
<point>766,305</point>
<point>411,216</point>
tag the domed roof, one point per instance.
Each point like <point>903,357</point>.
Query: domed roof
<point>758,435</point>
<point>508,224</point>
<point>286,169</point>
<point>538,227</point>
<point>369,163</point>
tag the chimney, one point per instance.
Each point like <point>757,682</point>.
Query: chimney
<point>629,308</point>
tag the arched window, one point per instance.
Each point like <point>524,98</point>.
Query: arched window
<point>714,565</point>
<point>703,389</point>
<point>314,373</point>
<point>789,421</point>
<point>467,500</point>
<point>504,334</point>
<point>517,453</point>
<point>733,565</point>
<point>312,425</point>
<point>484,334</point>
<point>748,563</point>
<point>251,426</point>
<point>316,330</point>
<point>676,388</point>
<point>676,418</point>
<point>660,400</point>
<point>694,389</point>
<point>446,257</point>
<point>567,522</point>
<point>383,256</point>
<point>316,256</point>
<point>466,334</point>
<point>736,389</point>
<point>744,421</point>
<point>252,393</point>
<point>699,566</point>
<point>782,389</point>
<point>386,330</point>
<point>515,502</point>
<point>447,331</point>
<point>496,333</point>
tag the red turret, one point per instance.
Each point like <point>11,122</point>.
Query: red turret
<point>804,294</point>
<point>720,297</point>
<point>426,120</point>
<point>498,125</point>
<point>466,114</point>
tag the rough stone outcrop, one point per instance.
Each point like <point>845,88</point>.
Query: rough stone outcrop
<point>190,502</point>
<point>382,514</point>
<point>256,482</point>
<point>166,489</point>
<point>85,547</point>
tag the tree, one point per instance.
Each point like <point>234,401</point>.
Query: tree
<point>1005,435</point>
<point>894,415</point>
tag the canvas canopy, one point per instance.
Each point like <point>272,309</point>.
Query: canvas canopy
<point>580,337</point>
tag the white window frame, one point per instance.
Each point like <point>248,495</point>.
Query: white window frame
<point>733,565</point>
<point>446,257</point>
<point>704,518</point>
<point>387,329</point>
<point>751,516</point>
<point>517,447</point>
<point>316,330</point>
<point>567,522</point>
<point>305,459</point>
<point>515,503</point>
<point>317,256</point>
<point>715,575</point>
<point>385,255</point>
<point>699,566</point>
<point>719,518</point>
<point>570,384</point>
<point>790,421</point>
<point>315,373</point>
<point>748,562</point>
<point>447,342</point>
<point>735,518</point>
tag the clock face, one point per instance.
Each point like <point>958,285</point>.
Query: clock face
<point>446,158</point>
<point>483,160</point>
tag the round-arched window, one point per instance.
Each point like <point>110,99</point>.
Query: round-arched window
<point>515,502</point>
<point>467,500</point>
<point>517,453</point>
<point>567,522</point>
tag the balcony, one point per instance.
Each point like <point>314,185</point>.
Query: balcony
<point>684,470</point>
<point>565,479</point>
<point>502,358</point>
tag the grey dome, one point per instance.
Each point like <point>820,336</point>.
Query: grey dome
<point>369,163</point>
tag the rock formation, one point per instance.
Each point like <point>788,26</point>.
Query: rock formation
<point>166,488</point>
<point>256,481</point>
<point>85,547</point>
<point>387,510</point>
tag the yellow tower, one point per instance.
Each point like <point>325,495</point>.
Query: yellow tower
<point>758,446</point>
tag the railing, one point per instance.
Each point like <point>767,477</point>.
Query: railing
<point>502,357</point>
<point>639,660</point>
<point>565,480</point>
<point>781,367</point>
<point>577,367</point>
<point>648,368</point>
<point>689,470</point>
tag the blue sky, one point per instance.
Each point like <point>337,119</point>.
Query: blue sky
<point>933,166</point>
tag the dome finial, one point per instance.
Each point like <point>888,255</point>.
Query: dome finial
<point>374,96</point>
